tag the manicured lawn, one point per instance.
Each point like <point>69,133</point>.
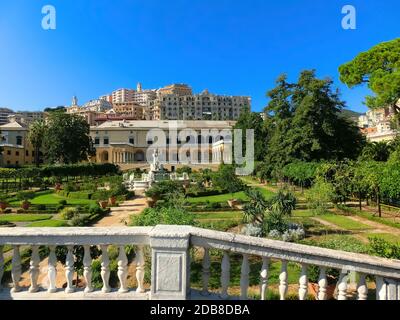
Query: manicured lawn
<point>219,215</point>
<point>386,236</point>
<point>227,196</point>
<point>344,222</point>
<point>24,217</point>
<point>48,223</point>
<point>51,198</point>
<point>302,213</point>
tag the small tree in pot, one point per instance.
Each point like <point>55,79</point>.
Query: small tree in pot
<point>25,197</point>
<point>3,201</point>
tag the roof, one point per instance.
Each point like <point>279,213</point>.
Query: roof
<point>13,125</point>
<point>165,124</point>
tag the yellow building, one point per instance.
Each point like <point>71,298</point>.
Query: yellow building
<point>132,142</point>
<point>16,147</point>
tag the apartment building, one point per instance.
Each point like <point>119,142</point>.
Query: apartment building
<point>128,108</point>
<point>203,106</point>
<point>179,89</point>
<point>4,113</point>
<point>376,125</point>
<point>16,147</point>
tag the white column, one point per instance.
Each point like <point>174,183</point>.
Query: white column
<point>34,269</point>
<point>322,284</point>
<point>140,265</point>
<point>105,269</point>
<point>87,269</point>
<point>225,275</point>
<point>264,278</point>
<point>303,283</point>
<point>283,284</point>
<point>16,269</point>
<point>122,269</point>
<point>69,269</point>
<point>52,270</point>
<point>206,271</point>
<point>362,288</point>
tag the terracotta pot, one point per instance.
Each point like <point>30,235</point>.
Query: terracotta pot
<point>233,203</point>
<point>313,290</point>
<point>103,204</point>
<point>3,205</point>
<point>25,205</point>
<point>151,202</point>
<point>112,201</point>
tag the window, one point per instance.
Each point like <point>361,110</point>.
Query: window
<point>17,162</point>
<point>9,152</point>
<point>106,141</point>
<point>19,141</point>
<point>17,153</point>
<point>27,153</point>
<point>33,153</point>
<point>131,141</point>
<point>149,142</point>
<point>96,140</point>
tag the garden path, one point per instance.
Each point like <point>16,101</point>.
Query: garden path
<point>378,227</point>
<point>119,216</point>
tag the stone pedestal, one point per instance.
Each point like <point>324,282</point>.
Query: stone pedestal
<point>170,269</point>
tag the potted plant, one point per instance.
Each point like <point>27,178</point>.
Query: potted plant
<point>3,201</point>
<point>332,277</point>
<point>25,197</point>
<point>103,196</point>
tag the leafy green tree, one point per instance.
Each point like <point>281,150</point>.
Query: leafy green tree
<point>67,138</point>
<point>37,131</point>
<point>225,179</point>
<point>252,120</point>
<point>376,151</point>
<point>305,123</point>
<point>379,68</point>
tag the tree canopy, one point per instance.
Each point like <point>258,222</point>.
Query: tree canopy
<point>379,68</point>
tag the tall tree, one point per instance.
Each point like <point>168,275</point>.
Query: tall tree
<point>67,138</point>
<point>306,125</point>
<point>379,68</point>
<point>376,151</point>
<point>252,120</point>
<point>37,131</point>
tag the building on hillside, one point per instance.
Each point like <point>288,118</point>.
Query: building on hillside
<point>129,109</point>
<point>128,142</point>
<point>203,106</point>
<point>179,89</point>
<point>4,114</point>
<point>376,125</point>
<point>122,95</point>
<point>16,148</point>
<point>26,117</point>
<point>98,105</point>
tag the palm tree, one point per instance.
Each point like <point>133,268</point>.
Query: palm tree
<point>36,134</point>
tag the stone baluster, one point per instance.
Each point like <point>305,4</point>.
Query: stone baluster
<point>69,269</point>
<point>105,269</point>
<point>16,269</point>
<point>362,288</point>
<point>34,269</point>
<point>342,287</point>
<point>303,283</point>
<point>1,266</point>
<point>381,289</point>
<point>87,269</point>
<point>244,277</point>
<point>52,270</point>
<point>283,284</point>
<point>206,271</point>
<point>322,284</point>
<point>122,270</point>
<point>225,275</point>
<point>264,278</point>
<point>140,264</point>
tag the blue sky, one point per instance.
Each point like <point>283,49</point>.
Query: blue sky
<point>227,46</point>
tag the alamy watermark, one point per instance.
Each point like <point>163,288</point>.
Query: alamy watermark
<point>49,21</point>
<point>349,21</point>
<point>209,146</point>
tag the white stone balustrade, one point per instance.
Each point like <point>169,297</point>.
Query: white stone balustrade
<point>170,264</point>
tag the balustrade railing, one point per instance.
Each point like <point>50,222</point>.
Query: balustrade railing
<point>170,264</point>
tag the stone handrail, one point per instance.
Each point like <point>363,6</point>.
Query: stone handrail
<point>170,263</point>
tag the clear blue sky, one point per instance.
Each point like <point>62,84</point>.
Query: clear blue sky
<point>227,46</point>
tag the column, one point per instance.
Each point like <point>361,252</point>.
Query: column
<point>170,265</point>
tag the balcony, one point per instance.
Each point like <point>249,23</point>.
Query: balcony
<point>170,264</point>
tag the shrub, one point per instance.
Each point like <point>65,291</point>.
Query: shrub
<point>383,248</point>
<point>163,189</point>
<point>25,195</point>
<point>69,213</point>
<point>78,221</point>
<point>7,210</point>
<point>41,207</point>
<point>319,196</point>
<point>20,210</point>
<point>253,230</point>
<point>70,187</point>
<point>95,209</point>
<point>60,207</point>
<point>163,215</point>
<point>62,202</point>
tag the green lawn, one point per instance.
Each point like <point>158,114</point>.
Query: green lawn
<point>227,196</point>
<point>24,217</point>
<point>302,214</point>
<point>344,222</point>
<point>48,223</point>
<point>51,198</point>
